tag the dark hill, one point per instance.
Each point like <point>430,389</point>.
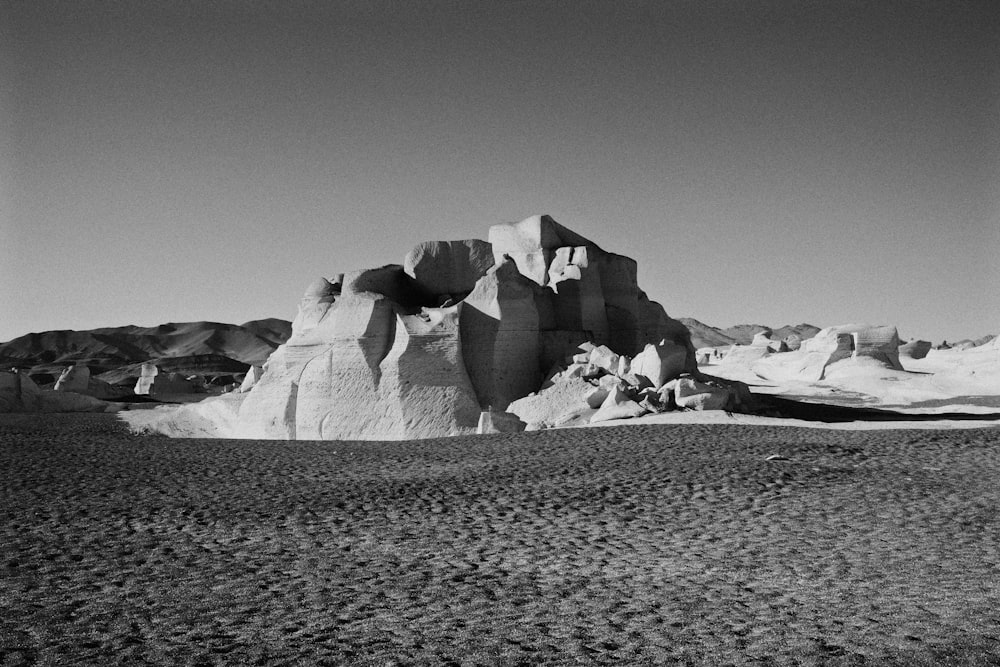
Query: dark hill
<point>704,335</point>
<point>106,349</point>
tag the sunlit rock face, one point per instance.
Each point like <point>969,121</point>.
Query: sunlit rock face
<point>859,342</point>
<point>422,349</point>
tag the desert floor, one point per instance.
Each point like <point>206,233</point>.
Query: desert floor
<point>677,544</point>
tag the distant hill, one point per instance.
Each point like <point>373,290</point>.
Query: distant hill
<point>203,344</point>
<point>704,335</point>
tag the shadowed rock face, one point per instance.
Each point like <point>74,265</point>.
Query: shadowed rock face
<point>449,269</point>
<point>421,349</point>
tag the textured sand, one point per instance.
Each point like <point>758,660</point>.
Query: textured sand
<point>671,544</point>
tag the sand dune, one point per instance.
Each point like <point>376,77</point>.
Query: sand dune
<point>640,545</point>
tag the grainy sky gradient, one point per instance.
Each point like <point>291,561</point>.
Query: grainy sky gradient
<point>771,162</point>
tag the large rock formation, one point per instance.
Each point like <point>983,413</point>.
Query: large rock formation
<point>461,328</point>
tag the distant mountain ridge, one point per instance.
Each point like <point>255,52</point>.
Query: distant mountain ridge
<point>704,335</point>
<point>111,348</point>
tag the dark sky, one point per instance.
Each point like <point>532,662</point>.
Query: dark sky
<point>771,162</point>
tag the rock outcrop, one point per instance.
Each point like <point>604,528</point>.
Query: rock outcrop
<point>915,349</point>
<point>251,378</point>
<point>600,385</point>
<point>859,342</point>
<point>460,329</point>
<point>74,378</point>
<point>77,379</point>
<point>144,383</point>
<point>18,393</point>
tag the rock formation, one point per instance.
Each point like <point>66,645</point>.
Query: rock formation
<point>461,328</point>
<point>599,385</point>
<point>145,382</point>
<point>74,378</point>
<point>18,393</point>
<point>860,342</point>
<point>251,378</point>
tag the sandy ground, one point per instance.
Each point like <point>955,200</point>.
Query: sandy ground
<point>657,544</point>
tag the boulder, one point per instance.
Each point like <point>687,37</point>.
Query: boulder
<point>18,393</point>
<point>880,343</point>
<point>596,397</point>
<point>251,378</point>
<point>494,421</point>
<point>546,407</point>
<point>659,363</point>
<point>915,349</point>
<point>695,395</point>
<point>766,339</point>
<point>531,244</point>
<point>617,405</point>
<point>144,383</point>
<point>605,358</point>
<point>793,342</point>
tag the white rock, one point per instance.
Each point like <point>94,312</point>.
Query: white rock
<point>545,407</point>
<point>660,363</point>
<point>493,421</point>
<point>144,383</point>
<point>252,377</point>
<point>694,395</point>
<point>617,405</point>
<point>605,358</point>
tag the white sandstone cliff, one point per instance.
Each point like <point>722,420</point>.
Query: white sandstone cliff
<point>422,349</point>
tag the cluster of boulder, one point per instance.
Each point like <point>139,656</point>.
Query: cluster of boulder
<point>443,343</point>
<point>600,385</point>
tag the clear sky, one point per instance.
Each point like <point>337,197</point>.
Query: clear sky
<point>766,162</point>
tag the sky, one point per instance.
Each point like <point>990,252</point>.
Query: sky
<point>763,162</point>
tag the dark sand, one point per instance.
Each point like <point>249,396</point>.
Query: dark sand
<point>631,545</point>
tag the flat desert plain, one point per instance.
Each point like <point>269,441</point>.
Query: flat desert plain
<point>659,544</point>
